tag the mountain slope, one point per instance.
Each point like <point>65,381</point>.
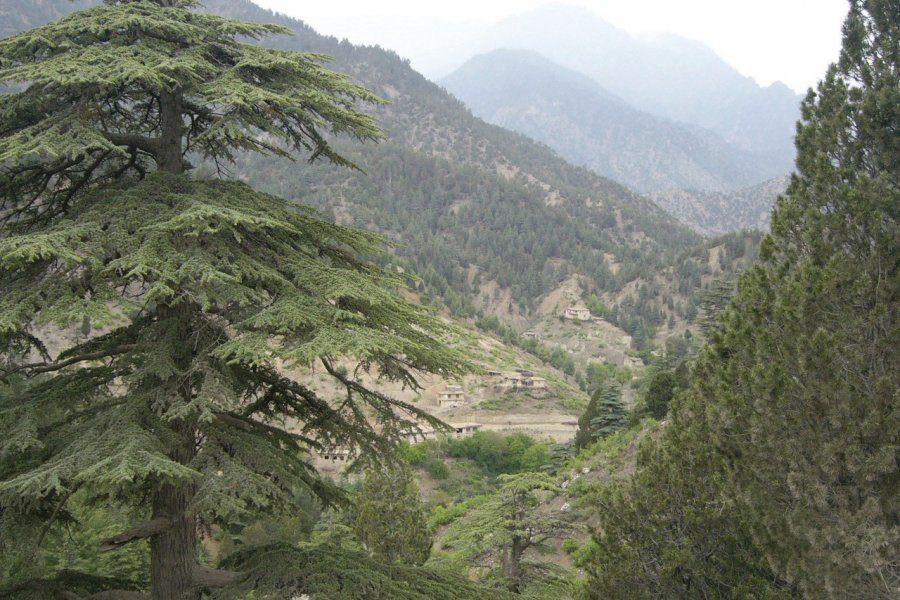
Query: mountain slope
<point>666,75</point>
<point>487,217</point>
<point>473,204</point>
<point>713,213</point>
<point>587,125</point>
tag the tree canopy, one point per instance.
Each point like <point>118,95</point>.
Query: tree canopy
<point>500,530</point>
<point>779,467</point>
<point>802,377</point>
<point>206,291</point>
<point>389,517</point>
<point>604,415</point>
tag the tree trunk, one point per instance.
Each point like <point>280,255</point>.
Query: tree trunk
<point>168,157</point>
<point>173,553</point>
<point>511,565</point>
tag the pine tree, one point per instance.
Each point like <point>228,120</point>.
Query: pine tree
<point>610,411</point>
<point>390,518</point>
<point>605,414</point>
<point>670,532</point>
<point>802,379</point>
<point>778,472</point>
<point>208,289</point>
<point>500,530</point>
<point>660,391</point>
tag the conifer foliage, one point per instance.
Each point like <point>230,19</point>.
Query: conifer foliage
<point>778,475</point>
<point>604,415</point>
<point>206,288</point>
<point>390,517</point>
<point>805,381</point>
<point>498,532</point>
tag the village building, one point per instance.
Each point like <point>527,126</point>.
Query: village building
<point>452,397</point>
<point>577,313</point>
<point>462,430</point>
<point>331,460</point>
<point>336,454</point>
<point>523,380</point>
<point>533,335</point>
<point>459,430</point>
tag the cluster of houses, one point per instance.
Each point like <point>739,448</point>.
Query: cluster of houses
<point>521,380</point>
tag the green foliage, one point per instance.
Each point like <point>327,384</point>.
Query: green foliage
<point>498,532</point>
<point>497,453</point>
<point>68,584</point>
<point>597,307</point>
<point>444,515</point>
<point>596,374</point>
<point>289,529</point>
<point>258,105</point>
<point>280,571</point>
<point>76,546</point>
<point>660,391</point>
<point>206,288</point>
<point>777,475</point>
<point>71,545</point>
<point>605,414</point>
<point>414,454</point>
<point>570,545</point>
<point>807,354</point>
<point>607,455</point>
<point>438,469</point>
<point>389,518</point>
<point>667,532</point>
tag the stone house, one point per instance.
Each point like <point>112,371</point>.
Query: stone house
<point>577,313</point>
<point>451,397</point>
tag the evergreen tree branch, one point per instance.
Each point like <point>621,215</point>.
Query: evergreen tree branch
<point>115,595</point>
<point>141,142</point>
<point>49,367</point>
<point>52,589</point>
<point>138,532</point>
<point>52,519</point>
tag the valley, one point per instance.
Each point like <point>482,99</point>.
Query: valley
<point>577,318</point>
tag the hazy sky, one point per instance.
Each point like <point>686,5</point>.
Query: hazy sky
<point>788,40</point>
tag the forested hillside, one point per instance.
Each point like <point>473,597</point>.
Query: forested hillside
<point>713,213</point>
<point>457,193</point>
<point>209,391</point>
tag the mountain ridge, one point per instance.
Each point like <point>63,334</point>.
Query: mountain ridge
<point>669,76</point>
<point>591,126</point>
<point>455,192</point>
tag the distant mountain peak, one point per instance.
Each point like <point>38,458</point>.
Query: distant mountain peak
<point>666,75</point>
<point>588,125</point>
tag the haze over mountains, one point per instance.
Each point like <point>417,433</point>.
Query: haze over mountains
<point>663,74</point>
<point>488,218</point>
<point>660,113</point>
<point>588,125</point>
